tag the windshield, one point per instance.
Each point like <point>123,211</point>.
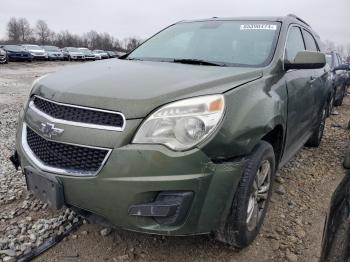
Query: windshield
<point>32,47</point>
<point>73,49</point>
<point>85,50</point>
<point>51,48</point>
<point>14,48</point>
<point>233,43</point>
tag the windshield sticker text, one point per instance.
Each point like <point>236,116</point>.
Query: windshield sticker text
<point>258,27</point>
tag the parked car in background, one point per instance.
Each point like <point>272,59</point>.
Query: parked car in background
<point>337,77</point>
<point>53,52</point>
<point>189,142</point>
<point>72,53</point>
<point>103,54</point>
<point>97,56</point>
<point>89,55</point>
<point>17,53</point>
<point>36,51</point>
<point>111,54</point>
<point>3,56</point>
<point>120,54</point>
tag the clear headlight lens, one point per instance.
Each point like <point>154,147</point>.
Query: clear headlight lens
<point>183,124</point>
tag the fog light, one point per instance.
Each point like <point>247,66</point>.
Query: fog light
<point>169,208</point>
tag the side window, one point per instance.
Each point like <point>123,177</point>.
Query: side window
<point>295,43</point>
<point>310,42</point>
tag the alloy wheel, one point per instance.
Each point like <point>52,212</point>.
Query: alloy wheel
<point>259,195</point>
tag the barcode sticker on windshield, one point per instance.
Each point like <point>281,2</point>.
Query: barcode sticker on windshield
<point>258,27</point>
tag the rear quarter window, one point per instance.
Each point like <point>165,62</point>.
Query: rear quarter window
<point>310,41</point>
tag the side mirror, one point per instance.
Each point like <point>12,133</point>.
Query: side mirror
<point>341,67</point>
<point>306,60</point>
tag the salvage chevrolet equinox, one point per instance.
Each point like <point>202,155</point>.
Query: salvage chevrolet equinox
<point>184,134</point>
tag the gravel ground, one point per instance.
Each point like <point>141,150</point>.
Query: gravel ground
<point>292,230</point>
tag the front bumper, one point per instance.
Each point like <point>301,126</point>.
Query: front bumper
<point>77,57</point>
<point>3,58</point>
<point>136,174</point>
<point>39,57</point>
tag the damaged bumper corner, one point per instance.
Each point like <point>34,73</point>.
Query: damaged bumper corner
<point>15,160</point>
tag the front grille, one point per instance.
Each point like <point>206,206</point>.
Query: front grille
<point>79,114</point>
<point>64,156</point>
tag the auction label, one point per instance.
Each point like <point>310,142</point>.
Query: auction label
<point>258,27</point>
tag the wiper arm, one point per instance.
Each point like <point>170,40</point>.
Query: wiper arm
<point>197,62</point>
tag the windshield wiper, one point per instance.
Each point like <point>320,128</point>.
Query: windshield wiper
<point>197,62</point>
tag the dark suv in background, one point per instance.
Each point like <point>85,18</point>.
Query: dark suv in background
<point>338,76</point>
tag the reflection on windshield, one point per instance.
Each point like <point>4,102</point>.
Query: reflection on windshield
<point>15,48</point>
<point>234,43</point>
<point>51,48</point>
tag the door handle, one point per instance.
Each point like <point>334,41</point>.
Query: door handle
<point>312,79</point>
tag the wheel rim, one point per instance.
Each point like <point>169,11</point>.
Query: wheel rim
<point>258,197</point>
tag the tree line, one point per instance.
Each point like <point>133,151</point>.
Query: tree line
<point>20,31</point>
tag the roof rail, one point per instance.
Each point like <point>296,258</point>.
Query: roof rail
<point>298,18</point>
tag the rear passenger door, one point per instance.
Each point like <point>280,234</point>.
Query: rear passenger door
<point>318,92</point>
<point>300,96</point>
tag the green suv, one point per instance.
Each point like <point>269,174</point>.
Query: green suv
<point>184,134</point>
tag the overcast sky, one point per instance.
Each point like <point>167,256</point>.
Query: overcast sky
<point>330,19</point>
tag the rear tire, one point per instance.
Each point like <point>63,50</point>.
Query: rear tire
<point>339,102</point>
<point>251,198</point>
<point>316,137</point>
<point>330,106</point>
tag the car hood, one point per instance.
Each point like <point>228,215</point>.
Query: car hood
<point>135,88</point>
<point>36,51</point>
<point>17,52</point>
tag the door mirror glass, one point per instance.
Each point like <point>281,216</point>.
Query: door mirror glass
<point>306,60</point>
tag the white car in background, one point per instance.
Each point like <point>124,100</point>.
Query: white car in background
<point>36,51</point>
<point>73,53</point>
<point>97,56</point>
<point>102,53</point>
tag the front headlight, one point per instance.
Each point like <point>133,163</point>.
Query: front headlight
<point>183,124</point>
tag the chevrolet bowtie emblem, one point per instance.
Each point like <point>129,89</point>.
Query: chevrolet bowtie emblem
<point>49,130</point>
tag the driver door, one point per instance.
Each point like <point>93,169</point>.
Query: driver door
<point>300,94</point>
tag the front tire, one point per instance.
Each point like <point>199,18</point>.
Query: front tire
<point>251,198</point>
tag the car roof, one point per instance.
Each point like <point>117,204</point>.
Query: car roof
<point>291,18</point>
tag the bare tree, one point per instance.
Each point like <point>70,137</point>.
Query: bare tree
<point>19,30</point>
<point>43,32</point>
<point>26,32</point>
<point>341,50</point>
<point>13,31</point>
<point>329,46</point>
<point>131,43</point>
